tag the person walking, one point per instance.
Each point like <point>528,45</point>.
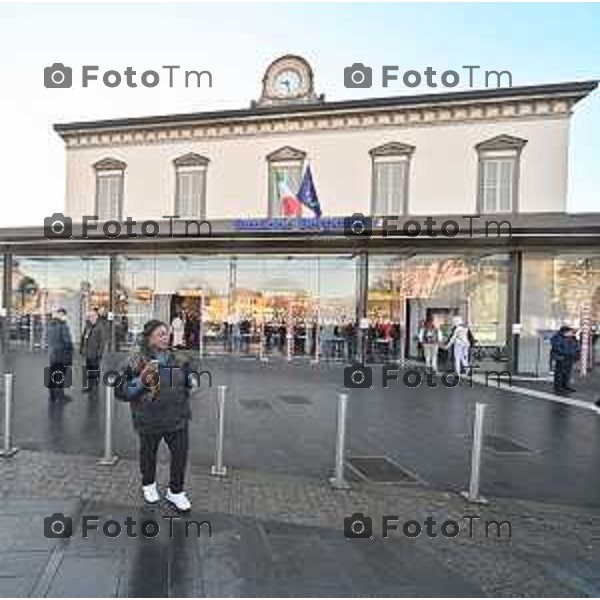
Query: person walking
<point>94,340</point>
<point>430,337</point>
<point>60,344</point>
<point>564,353</point>
<point>157,386</point>
<point>460,342</point>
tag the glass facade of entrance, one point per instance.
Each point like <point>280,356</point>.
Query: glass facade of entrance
<point>406,290</point>
<point>242,304</point>
<point>42,283</point>
<point>558,288</point>
<point>314,306</point>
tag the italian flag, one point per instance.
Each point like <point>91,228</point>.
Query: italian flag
<point>290,205</point>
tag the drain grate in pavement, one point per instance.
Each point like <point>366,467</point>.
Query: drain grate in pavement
<point>498,443</point>
<point>255,404</point>
<point>380,469</point>
<point>295,399</point>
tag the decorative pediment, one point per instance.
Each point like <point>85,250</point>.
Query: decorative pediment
<point>502,142</point>
<point>286,153</point>
<point>392,149</point>
<point>191,159</point>
<point>110,164</point>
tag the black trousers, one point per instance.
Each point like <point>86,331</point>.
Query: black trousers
<point>177,441</point>
<point>562,374</point>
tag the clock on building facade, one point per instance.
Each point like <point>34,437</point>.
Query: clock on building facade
<point>287,80</point>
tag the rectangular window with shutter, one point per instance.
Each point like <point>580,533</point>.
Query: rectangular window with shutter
<point>389,186</point>
<point>190,193</point>
<point>291,172</point>
<point>109,191</point>
<point>497,185</point>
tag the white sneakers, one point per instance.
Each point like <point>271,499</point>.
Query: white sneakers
<point>150,493</point>
<point>152,496</point>
<point>180,501</point>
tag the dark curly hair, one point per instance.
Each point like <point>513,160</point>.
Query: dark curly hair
<point>149,328</point>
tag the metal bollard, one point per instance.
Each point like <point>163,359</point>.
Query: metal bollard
<point>262,342</point>
<point>109,459</point>
<point>8,449</point>
<point>317,356</point>
<point>218,469</point>
<point>289,338</point>
<point>338,481</point>
<point>472,494</point>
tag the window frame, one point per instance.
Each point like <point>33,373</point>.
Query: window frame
<point>394,153</point>
<point>287,157</point>
<point>110,167</point>
<point>502,148</point>
<point>191,163</point>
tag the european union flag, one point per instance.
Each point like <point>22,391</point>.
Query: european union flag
<point>307,194</point>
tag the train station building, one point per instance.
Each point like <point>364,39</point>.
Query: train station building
<point>472,158</point>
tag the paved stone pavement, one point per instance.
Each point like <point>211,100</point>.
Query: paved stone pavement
<point>281,418</point>
<point>278,535</point>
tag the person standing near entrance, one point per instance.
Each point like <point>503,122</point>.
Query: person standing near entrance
<point>178,327</point>
<point>94,340</point>
<point>430,337</point>
<point>460,341</point>
<point>157,386</point>
<point>564,353</point>
<point>61,355</point>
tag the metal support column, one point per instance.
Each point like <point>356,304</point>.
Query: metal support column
<point>513,308</point>
<point>6,316</point>
<point>112,295</point>
<point>362,281</point>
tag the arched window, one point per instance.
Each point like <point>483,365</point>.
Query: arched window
<point>390,176</point>
<point>285,170</point>
<point>499,170</point>
<point>190,186</point>
<point>110,179</point>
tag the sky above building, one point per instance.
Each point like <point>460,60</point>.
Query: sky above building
<point>537,43</point>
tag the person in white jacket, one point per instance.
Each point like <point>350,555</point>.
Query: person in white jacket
<point>461,342</point>
<point>178,329</point>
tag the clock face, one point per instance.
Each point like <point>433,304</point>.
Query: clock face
<point>289,79</point>
<point>288,83</point>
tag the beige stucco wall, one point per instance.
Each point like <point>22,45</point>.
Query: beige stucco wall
<point>443,176</point>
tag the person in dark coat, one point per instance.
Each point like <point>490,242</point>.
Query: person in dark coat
<point>564,353</point>
<point>61,355</point>
<point>157,386</point>
<point>94,341</point>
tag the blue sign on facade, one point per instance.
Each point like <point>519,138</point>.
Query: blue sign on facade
<point>299,224</point>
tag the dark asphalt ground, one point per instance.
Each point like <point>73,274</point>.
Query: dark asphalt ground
<point>281,418</point>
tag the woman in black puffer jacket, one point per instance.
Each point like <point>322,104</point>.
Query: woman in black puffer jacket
<point>157,386</point>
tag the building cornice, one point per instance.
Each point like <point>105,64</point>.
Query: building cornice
<point>544,101</point>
